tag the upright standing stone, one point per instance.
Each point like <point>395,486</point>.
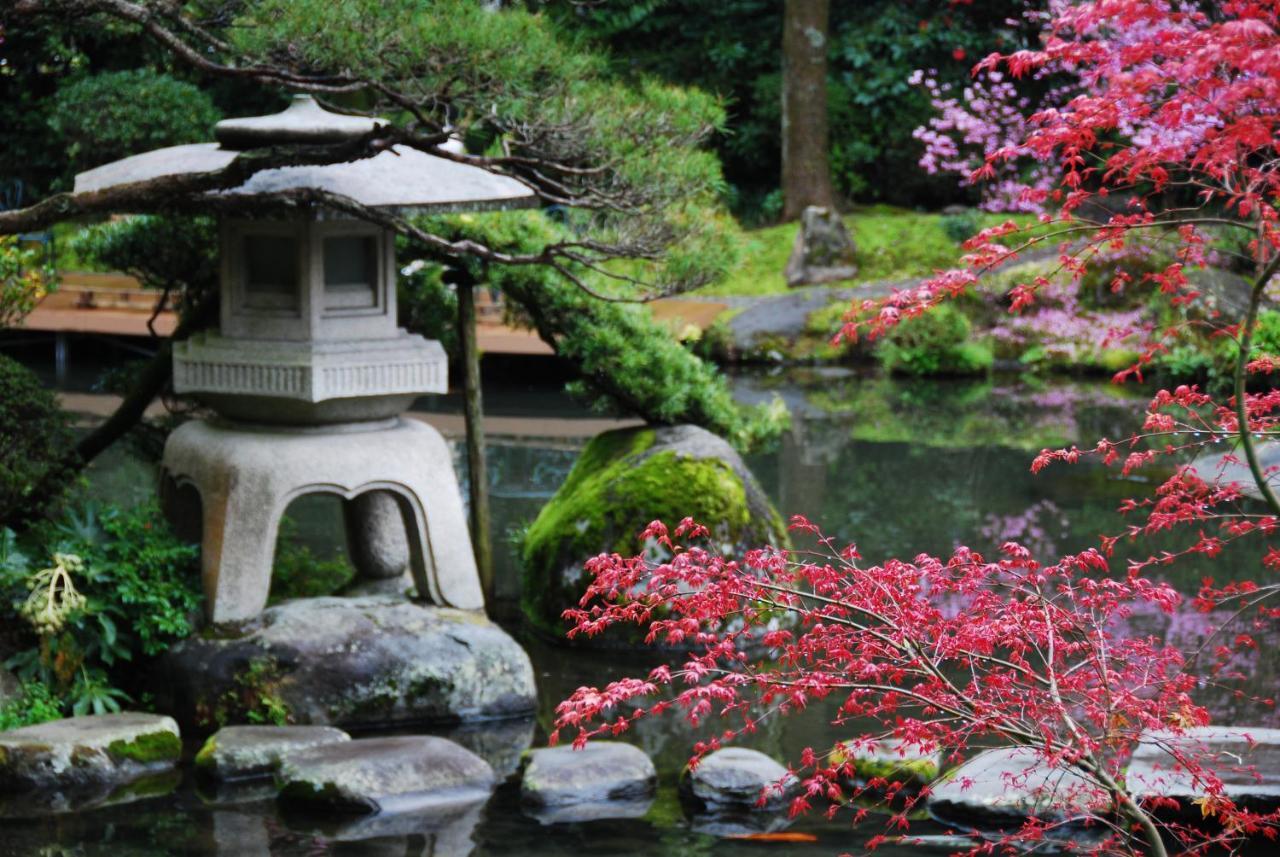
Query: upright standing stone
<point>823,251</point>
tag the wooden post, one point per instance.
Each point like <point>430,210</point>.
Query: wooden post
<point>477,470</point>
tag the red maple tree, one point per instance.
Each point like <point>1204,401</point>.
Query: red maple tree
<point>1171,141</point>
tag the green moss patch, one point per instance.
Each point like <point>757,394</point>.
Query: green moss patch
<point>147,749</point>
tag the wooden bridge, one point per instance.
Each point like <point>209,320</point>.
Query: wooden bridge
<point>117,307</point>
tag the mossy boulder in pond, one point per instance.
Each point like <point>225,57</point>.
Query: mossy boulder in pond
<point>625,479</point>
<point>374,661</point>
<point>890,761</point>
<point>65,763</point>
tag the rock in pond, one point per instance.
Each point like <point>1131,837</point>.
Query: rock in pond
<point>735,778</point>
<point>605,779</point>
<point>374,661</point>
<point>240,752</point>
<point>1246,759</point>
<point>623,480</point>
<point>892,761</point>
<point>394,774</point>
<point>1003,787</point>
<point>78,761</point>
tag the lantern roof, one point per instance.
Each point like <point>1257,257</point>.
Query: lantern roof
<point>399,178</point>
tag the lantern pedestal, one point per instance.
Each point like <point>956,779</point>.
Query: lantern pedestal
<point>247,475</point>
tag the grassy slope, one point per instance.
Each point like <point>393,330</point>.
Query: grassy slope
<point>893,243</point>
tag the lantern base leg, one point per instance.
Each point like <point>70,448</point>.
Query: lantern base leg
<point>247,476</point>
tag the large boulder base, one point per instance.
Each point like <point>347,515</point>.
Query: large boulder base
<point>1001,788</point>
<point>1246,759</point>
<point>374,661</point>
<point>392,774</point>
<point>83,759</point>
<point>605,779</point>
<point>242,752</point>
<point>624,480</point>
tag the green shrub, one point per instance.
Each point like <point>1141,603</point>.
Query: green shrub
<point>37,704</point>
<point>35,470</point>
<point>25,275</point>
<point>115,114</point>
<point>299,573</point>
<point>121,587</point>
<point>935,343</point>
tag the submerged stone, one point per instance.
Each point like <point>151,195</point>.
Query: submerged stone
<point>374,661</point>
<point>80,761</point>
<point>400,773</point>
<point>735,778</point>
<point>1003,787</point>
<point>605,779</point>
<point>623,480</point>
<point>1246,760</point>
<point>240,752</point>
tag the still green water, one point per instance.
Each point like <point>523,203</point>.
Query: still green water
<point>898,467</point>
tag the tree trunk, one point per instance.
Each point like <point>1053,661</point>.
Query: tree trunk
<point>474,408</point>
<point>806,170</point>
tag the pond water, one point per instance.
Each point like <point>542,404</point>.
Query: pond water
<point>899,467</point>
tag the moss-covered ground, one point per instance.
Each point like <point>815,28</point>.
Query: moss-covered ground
<point>893,243</point>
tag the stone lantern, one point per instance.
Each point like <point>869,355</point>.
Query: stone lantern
<point>308,371</point>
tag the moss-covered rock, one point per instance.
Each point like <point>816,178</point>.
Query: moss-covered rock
<point>625,479</point>
<point>890,761</point>
<point>82,760</point>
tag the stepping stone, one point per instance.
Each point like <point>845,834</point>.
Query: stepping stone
<point>1003,787</point>
<point>1246,759</point>
<point>383,774</point>
<point>605,779</point>
<point>734,778</point>
<point>87,751</point>
<point>892,761</point>
<point>240,752</point>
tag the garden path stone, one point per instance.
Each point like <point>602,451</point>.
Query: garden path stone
<point>373,661</point>
<point>605,779</point>
<point>1003,787</point>
<point>239,752</point>
<point>734,778</point>
<point>54,766</point>
<point>393,774</point>
<point>1246,759</point>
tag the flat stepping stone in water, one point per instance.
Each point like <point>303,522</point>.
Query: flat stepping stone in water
<point>104,748</point>
<point>734,778</point>
<point>241,752</point>
<point>1003,787</point>
<point>383,774</point>
<point>605,779</point>
<point>1246,759</point>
